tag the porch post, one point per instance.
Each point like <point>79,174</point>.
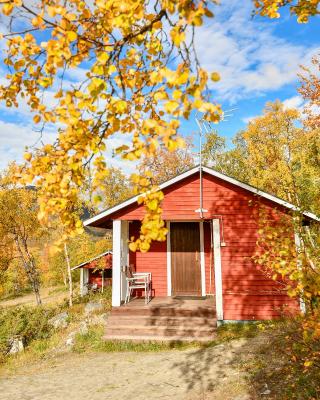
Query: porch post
<point>217,268</point>
<point>119,259</point>
<point>83,281</point>
<point>124,257</point>
<point>116,263</point>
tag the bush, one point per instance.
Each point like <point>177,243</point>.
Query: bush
<point>28,323</point>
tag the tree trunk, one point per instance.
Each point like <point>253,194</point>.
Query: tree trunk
<point>64,278</point>
<point>69,273</point>
<point>30,268</point>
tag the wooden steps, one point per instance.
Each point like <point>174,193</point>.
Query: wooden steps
<point>166,321</point>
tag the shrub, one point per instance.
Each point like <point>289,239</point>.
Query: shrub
<point>28,323</point>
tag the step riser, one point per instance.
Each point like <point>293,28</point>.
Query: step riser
<point>159,339</point>
<point>146,321</point>
<point>159,332</point>
<point>165,313</point>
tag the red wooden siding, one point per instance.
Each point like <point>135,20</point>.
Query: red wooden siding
<point>154,261</point>
<point>247,293</point>
<point>104,261</point>
<point>95,277</point>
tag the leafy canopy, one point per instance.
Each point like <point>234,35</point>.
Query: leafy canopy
<point>303,9</point>
<point>140,77</point>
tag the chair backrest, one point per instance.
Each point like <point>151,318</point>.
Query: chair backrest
<point>129,271</point>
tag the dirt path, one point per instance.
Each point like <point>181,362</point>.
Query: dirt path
<point>193,374</point>
<point>48,296</point>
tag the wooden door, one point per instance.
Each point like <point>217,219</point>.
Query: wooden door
<point>185,259</point>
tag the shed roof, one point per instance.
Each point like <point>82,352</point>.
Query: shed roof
<point>212,172</point>
<point>91,260</point>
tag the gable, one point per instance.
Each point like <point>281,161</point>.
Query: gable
<point>221,195</point>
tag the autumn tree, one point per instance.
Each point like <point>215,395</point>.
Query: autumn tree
<point>274,155</point>
<point>114,188</point>
<point>141,76</point>
<point>302,9</point>
<point>212,149</point>
<point>166,164</point>
<point>288,248</point>
<point>310,91</point>
<point>20,230</point>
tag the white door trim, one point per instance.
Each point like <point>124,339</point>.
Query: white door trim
<point>116,263</point>
<point>202,258</point>
<point>169,284</point>
<point>217,268</point>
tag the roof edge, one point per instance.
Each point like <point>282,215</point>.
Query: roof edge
<point>92,259</point>
<point>211,172</point>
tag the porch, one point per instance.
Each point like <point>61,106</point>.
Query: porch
<point>187,264</point>
<point>164,319</point>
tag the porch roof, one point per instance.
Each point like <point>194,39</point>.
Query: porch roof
<point>94,221</point>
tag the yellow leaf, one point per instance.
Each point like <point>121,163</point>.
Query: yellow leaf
<point>27,156</point>
<point>133,246</point>
<point>71,35</point>
<point>36,119</point>
<point>152,205</point>
<point>7,8</point>
<point>215,77</point>
<point>171,105</point>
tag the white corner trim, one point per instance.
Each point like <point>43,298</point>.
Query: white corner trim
<point>169,287</point>
<point>217,268</point>
<point>202,260</point>
<point>116,263</point>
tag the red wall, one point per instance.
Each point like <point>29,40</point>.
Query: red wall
<point>247,293</point>
<point>154,261</point>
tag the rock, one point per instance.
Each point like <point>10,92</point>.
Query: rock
<point>83,328</point>
<point>266,391</point>
<point>16,345</point>
<point>93,307</point>
<point>59,321</point>
<point>99,319</point>
<point>70,341</point>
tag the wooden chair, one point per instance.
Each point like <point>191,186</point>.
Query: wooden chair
<point>138,280</point>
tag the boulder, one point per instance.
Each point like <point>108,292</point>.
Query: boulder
<point>100,319</point>
<point>93,307</point>
<point>16,345</point>
<point>59,321</point>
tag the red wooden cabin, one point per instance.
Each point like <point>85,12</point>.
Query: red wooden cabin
<point>213,230</point>
<point>96,272</point>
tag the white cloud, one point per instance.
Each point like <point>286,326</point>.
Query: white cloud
<point>246,120</point>
<point>250,58</point>
<point>294,102</point>
<point>14,138</point>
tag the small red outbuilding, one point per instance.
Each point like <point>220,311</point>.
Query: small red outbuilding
<point>95,272</point>
<point>213,229</point>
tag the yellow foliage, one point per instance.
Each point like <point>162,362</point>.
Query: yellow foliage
<point>125,88</point>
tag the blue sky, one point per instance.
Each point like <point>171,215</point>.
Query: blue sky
<point>258,60</point>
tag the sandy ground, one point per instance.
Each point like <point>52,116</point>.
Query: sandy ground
<point>192,374</point>
<point>48,296</point>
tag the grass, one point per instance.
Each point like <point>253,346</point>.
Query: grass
<point>93,340</point>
